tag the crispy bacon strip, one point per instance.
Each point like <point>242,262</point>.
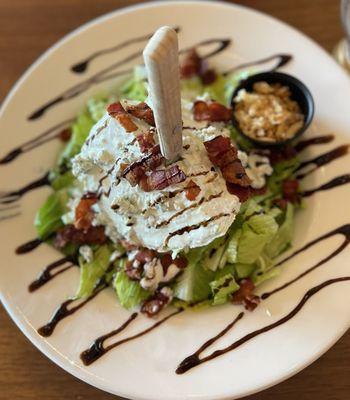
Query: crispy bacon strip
<point>150,161</point>
<point>160,179</point>
<point>153,305</point>
<point>193,65</point>
<point>146,141</point>
<point>134,267</point>
<point>208,77</point>
<point>135,175</point>
<point>70,234</point>
<point>211,111</point>
<point>65,134</point>
<point>234,172</point>
<point>222,154</point>
<point>117,111</point>
<point>243,193</point>
<point>166,260</point>
<point>245,295</point>
<point>136,171</point>
<point>145,255</point>
<point>290,189</point>
<point>141,111</point>
<point>133,270</point>
<point>218,145</point>
<point>84,214</point>
<point>192,190</point>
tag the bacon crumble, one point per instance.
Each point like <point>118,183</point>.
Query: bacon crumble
<point>141,111</point>
<point>160,179</point>
<point>290,190</point>
<point>84,214</point>
<point>193,65</point>
<point>166,260</point>
<point>153,305</point>
<point>211,111</point>
<point>136,171</point>
<point>117,111</point>
<point>146,141</point>
<point>192,190</point>
<point>70,234</point>
<point>65,134</point>
<point>245,295</point>
<point>224,155</point>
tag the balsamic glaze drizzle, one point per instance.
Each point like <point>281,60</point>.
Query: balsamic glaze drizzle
<point>97,350</point>
<point>194,360</point>
<point>28,246</point>
<point>281,61</point>
<point>81,66</point>
<point>303,144</point>
<point>11,197</point>
<point>322,160</point>
<point>342,230</point>
<point>48,135</point>
<point>63,311</point>
<point>51,271</point>
<point>335,182</point>
<point>107,73</point>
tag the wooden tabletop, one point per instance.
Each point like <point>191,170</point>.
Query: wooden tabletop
<point>27,28</point>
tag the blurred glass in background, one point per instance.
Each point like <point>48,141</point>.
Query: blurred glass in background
<point>342,50</point>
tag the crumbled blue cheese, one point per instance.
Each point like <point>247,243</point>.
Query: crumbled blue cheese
<point>154,274</point>
<point>258,169</point>
<point>115,255</point>
<point>86,252</point>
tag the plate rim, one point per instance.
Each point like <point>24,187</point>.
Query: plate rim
<point>18,316</point>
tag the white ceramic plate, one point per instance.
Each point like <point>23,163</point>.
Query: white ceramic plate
<point>145,368</point>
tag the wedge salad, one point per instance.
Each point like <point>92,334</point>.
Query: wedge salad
<point>203,231</point>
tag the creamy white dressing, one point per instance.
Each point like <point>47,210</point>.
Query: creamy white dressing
<point>152,219</point>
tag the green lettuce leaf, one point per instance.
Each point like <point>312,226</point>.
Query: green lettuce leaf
<point>130,293</point>
<point>48,218</point>
<point>244,270</point>
<point>220,90</point>
<point>191,88</point>
<point>222,288</point>
<point>92,272</point>
<point>216,90</point>
<point>264,262</point>
<point>242,142</point>
<point>282,240</point>
<point>260,277</point>
<point>193,283</point>
<point>136,87</point>
<point>257,231</point>
<point>281,172</point>
<point>80,131</point>
<point>214,254</point>
<point>192,306</point>
<point>96,107</point>
<point>232,81</point>
<point>61,181</point>
<point>251,207</point>
<point>232,246</point>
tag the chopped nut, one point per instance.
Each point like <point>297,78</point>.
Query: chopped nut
<point>268,113</point>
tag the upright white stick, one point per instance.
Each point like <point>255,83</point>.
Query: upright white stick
<point>162,64</point>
